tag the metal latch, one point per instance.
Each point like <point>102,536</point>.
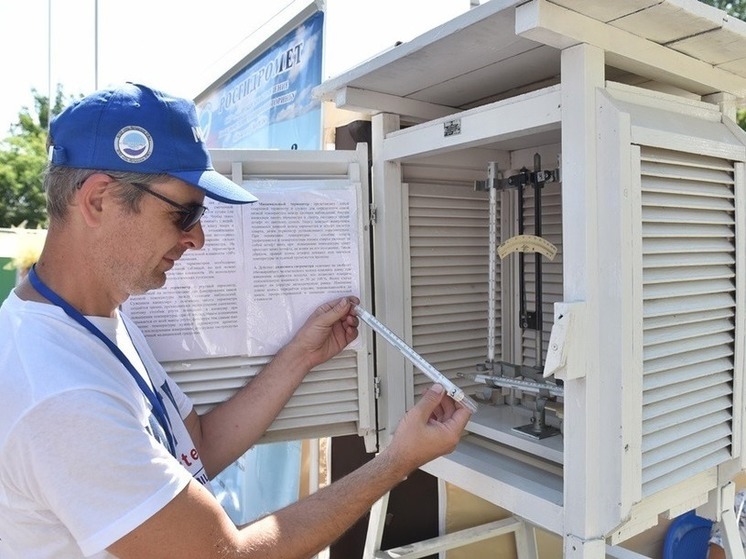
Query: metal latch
<point>567,328</point>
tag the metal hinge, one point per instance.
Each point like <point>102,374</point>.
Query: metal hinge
<point>377,388</point>
<point>373,211</point>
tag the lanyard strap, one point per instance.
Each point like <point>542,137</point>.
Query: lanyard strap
<point>156,403</point>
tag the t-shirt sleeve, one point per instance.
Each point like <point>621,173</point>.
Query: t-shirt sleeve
<point>84,457</point>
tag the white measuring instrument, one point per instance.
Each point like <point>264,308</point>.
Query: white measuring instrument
<point>416,359</point>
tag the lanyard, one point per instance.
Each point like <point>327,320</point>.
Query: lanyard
<point>156,402</point>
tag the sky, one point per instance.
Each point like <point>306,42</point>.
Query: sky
<point>176,45</point>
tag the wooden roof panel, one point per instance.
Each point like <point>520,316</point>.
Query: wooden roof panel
<point>718,46</point>
<point>508,75</point>
<point>606,11</point>
<point>479,54</point>
<point>665,23</point>
<point>738,66</point>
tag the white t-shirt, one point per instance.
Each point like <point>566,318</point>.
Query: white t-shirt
<point>80,465</point>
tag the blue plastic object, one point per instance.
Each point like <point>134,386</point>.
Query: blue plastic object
<point>687,537</point>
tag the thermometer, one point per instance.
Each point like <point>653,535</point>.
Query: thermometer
<point>416,359</point>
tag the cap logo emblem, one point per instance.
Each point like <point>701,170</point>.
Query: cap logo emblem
<point>133,144</point>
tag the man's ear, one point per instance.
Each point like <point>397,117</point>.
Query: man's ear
<point>93,197</point>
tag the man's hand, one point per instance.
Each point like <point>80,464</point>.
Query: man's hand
<point>327,331</point>
<point>194,525</point>
<point>229,429</point>
<point>430,429</point>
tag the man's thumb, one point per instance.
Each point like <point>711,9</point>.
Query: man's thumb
<point>330,313</point>
<point>341,308</point>
<point>431,398</point>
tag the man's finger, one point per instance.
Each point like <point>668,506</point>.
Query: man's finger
<point>430,400</point>
<point>331,313</point>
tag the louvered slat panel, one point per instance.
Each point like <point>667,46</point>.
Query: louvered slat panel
<point>670,376</point>
<point>688,270</point>
<point>327,402</point>
<point>694,440</point>
<point>682,347</point>
<point>449,243</point>
<point>692,460</point>
<point>688,201</point>
<point>455,320</point>
<point>652,425</point>
<point>685,396</point>
<point>682,305</point>
<point>705,454</point>
<point>551,270</point>
<point>681,431</point>
<point>686,331</point>
<point>459,283</point>
<point>699,245</point>
<point>698,357</point>
<point>665,321</point>
<point>685,387</point>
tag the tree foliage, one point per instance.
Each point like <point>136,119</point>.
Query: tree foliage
<point>736,8</point>
<point>22,160</point>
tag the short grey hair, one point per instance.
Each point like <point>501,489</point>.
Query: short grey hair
<point>60,184</point>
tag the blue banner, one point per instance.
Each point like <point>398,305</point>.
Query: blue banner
<point>268,104</point>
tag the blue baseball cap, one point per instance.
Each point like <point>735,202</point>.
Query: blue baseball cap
<point>134,128</point>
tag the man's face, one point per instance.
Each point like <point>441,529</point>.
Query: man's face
<point>145,245</point>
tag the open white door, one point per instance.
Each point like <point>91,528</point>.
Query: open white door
<point>224,310</point>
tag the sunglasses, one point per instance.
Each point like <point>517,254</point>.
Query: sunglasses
<point>191,213</point>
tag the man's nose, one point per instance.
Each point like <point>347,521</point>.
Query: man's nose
<point>195,237</point>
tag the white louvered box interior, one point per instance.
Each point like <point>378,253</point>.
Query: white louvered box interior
<point>447,254</point>
<point>448,240</point>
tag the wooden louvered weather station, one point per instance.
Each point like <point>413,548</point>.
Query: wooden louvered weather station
<point>562,185</point>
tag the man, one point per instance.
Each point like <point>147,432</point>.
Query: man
<point>101,454</point>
